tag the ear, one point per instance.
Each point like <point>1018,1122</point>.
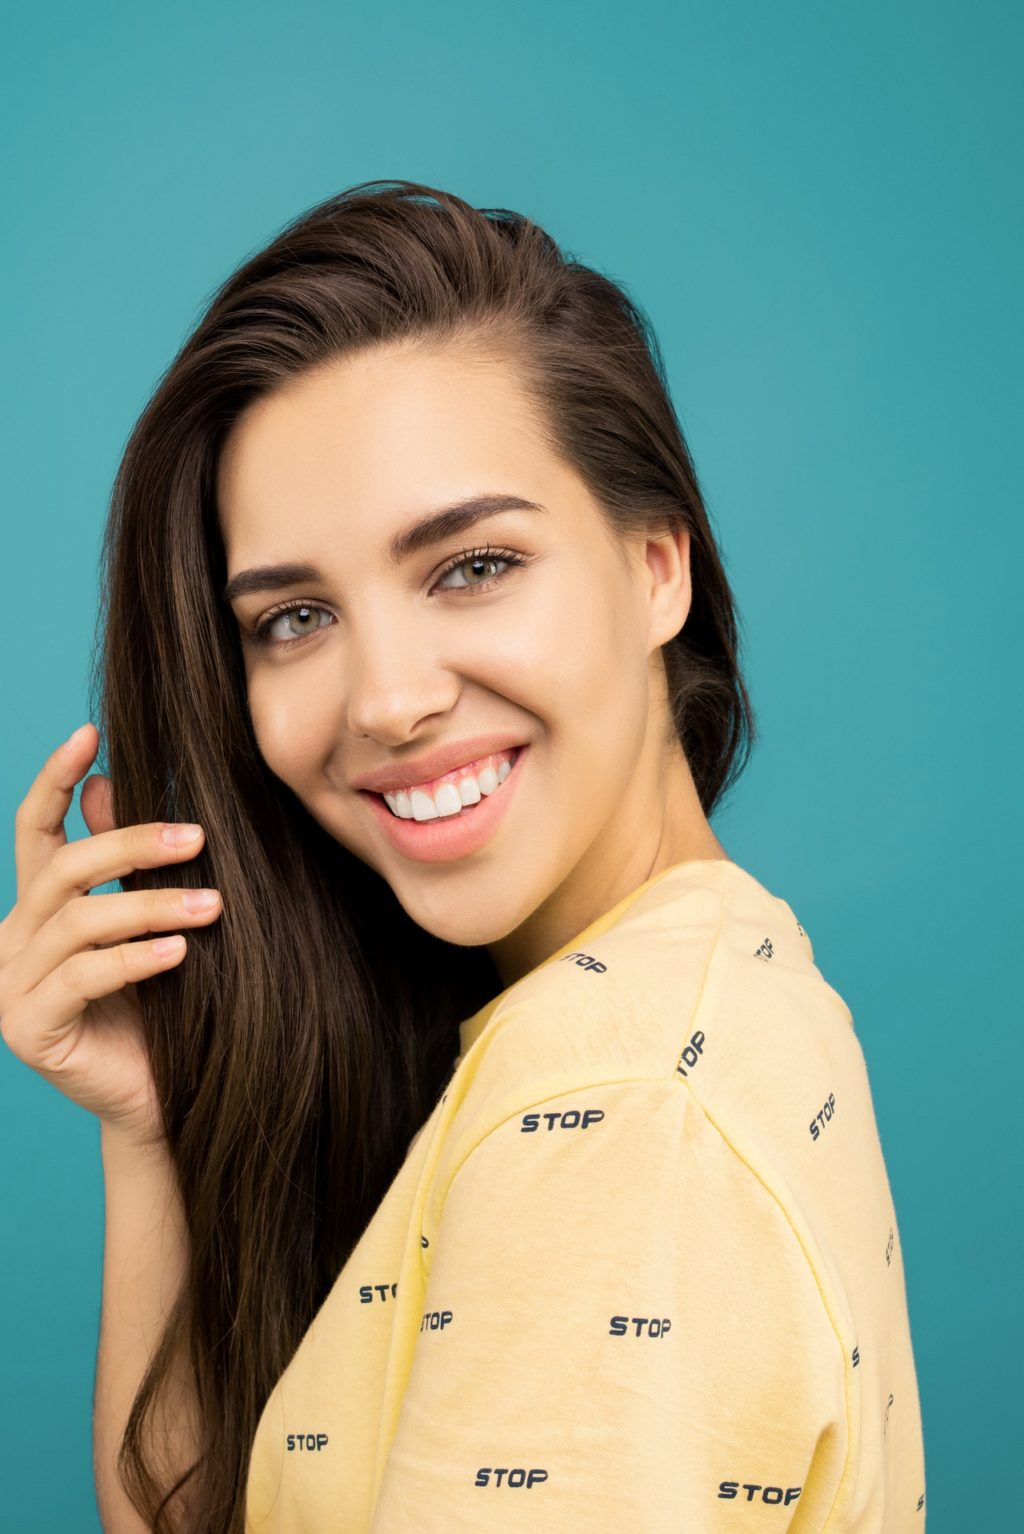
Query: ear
<point>667,558</point>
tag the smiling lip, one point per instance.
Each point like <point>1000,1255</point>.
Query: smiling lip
<point>434,764</point>
<point>448,837</point>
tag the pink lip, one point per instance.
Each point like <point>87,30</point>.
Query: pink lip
<point>435,764</point>
<point>450,836</point>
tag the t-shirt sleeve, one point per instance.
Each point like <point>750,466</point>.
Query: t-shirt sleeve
<point>622,1331</point>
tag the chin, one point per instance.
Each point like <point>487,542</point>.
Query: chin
<point>465,922</point>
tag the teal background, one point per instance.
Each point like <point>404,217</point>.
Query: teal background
<point>820,209</point>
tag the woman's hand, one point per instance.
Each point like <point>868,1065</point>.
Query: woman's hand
<point>68,1000</point>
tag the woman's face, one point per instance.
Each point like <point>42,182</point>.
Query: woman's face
<point>534,626</point>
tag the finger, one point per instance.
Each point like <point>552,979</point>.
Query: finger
<point>79,866</point>
<point>94,920</point>
<point>38,1023</point>
<point>96,802</point>
<point>39,820</point>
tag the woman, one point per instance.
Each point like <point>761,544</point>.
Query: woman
<point>516,1168</point>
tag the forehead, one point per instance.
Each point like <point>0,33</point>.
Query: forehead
<point>369,439</point>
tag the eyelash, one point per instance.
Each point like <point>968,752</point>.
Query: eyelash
<point>507,556</point>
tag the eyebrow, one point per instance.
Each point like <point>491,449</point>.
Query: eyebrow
<point>447,522</point>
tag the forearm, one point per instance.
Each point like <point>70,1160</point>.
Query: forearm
<point>144,1260</point>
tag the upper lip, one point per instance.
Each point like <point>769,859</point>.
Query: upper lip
<point>434,764</point>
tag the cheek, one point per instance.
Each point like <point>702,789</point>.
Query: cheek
<point>290,724</point>
<point>591,646</point>
<point>602,678</point>
<point>577,662</point>
<point>577,621</point>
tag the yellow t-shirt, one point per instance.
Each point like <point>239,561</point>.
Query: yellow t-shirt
<point>640,1270</point>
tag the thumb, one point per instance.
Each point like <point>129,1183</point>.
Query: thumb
<point>96,803</point>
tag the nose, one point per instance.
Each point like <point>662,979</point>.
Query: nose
<point>395,678</point>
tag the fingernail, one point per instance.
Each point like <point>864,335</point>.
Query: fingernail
<point>180,836</point>
<point>163,947</point>
<point>75,737</point>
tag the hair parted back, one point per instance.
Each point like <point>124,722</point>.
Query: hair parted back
<point>293,1058</point>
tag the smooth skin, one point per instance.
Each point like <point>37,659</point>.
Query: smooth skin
<point>68,966</point>
<point>562,649</point>
<point>391,662</point>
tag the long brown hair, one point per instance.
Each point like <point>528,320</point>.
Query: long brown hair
<point>293,1058</point>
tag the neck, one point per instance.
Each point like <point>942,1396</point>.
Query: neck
<point>669,827</point>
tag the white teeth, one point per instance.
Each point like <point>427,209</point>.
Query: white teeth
<point>447,800</point>
<point>423,806</point>
<point>450,798</point>
<point>469,792</point>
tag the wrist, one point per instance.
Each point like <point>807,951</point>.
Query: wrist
<point>122,1145</point>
